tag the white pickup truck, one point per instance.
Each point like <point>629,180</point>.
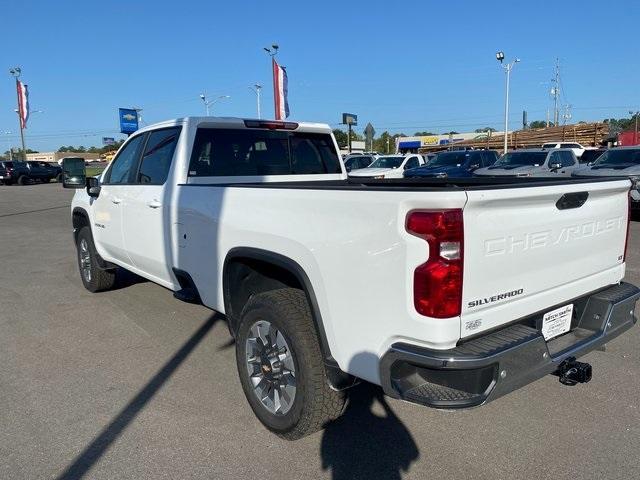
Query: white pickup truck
<point>446,292</point>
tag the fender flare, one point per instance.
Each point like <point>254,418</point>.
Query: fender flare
<point>297,271</point>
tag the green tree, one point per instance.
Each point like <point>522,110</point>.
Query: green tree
<point>451,133</point>
<point>423,134</point>
<point>341,137</point>
<point>484,130</point>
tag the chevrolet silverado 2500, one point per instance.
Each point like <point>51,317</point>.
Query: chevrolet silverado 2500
<point>474,287</point>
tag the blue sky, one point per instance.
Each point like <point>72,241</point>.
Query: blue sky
<point>403,66</point>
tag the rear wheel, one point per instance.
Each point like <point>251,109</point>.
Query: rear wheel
<point>23,180</point>
<point>280,365</point>
<point>59,178</point>
<point>93,277</point>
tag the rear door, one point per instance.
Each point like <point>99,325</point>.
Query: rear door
<point>526,250</point>
<point>146,222</point>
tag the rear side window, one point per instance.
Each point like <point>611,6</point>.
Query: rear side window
<point>124,165</point>
<point>412,163</point>
<point>567,159</point>
<point>223,152</point>
<point>569,145</point>
<point>158,153</point>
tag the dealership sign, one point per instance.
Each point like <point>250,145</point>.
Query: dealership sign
<point>128,120</point>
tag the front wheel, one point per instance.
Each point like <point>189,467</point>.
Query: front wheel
<point>280,365</point>
<point>93,277</point>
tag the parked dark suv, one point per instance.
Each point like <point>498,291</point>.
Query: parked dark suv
<point>456,164</point>
<point>22,173</point>
<point>43,171</point>
<point>14,172</point>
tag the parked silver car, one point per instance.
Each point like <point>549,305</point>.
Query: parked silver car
<point>532,162</point>
<point>617,162</point>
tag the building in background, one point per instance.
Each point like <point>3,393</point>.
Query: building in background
<point>53,157</point>
<point>412,144</point>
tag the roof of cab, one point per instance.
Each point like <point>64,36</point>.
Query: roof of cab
<point>230,122</point>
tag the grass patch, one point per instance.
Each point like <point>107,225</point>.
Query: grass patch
<point>94,171</point>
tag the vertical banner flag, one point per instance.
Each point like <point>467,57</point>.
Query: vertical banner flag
<point>280,91</point>
<point>23,103</point>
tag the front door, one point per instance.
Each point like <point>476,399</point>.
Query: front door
<point>146,220</point>
<point>108,207</point>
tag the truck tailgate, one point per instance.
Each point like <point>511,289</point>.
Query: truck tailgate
<point>532,248</point>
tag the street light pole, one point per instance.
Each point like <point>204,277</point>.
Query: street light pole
<point>208,103</point>
<point>16,72</point>
<point>272,52</point>
<point>507,68</point>
<point>256,89</point>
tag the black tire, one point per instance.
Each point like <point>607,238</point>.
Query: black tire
<point>59,178</point>
<point>93,278</point>
<point>315,403</point>
<point>46,180</point>
<point>23,180</point>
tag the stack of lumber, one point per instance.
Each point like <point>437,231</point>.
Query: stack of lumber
<point>587,134</point>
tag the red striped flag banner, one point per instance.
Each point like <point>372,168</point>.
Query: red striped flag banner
<point>23,103</point>
<point>280,91</point>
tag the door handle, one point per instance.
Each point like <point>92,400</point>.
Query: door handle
<point>154,204</point>
<point>116,200</point>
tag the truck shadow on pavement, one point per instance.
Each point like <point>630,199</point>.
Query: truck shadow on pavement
<point>101,443</point>
<point>365,445</point>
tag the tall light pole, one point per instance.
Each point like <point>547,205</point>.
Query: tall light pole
<point>272,52</point>
<point>256,89</point>
<point>7,133</point>
<point>16,72</point>
<point>208,103</point>
<point>507,68</point>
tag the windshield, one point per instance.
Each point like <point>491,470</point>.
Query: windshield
<point>522,158</point>
<point>449,159</point>
<point>628,157</point>
<point>387,162</point>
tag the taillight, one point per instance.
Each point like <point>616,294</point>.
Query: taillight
<point>626,239</point>
<point>437,283</point>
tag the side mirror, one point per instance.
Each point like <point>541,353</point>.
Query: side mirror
<point>74,173</point>
<point>555,165</point>
<point>93,187</point>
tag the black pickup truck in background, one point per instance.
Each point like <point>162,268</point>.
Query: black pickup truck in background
<point>22,173</point>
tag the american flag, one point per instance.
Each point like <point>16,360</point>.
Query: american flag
<point>280,91</point>
<point>23,103</point>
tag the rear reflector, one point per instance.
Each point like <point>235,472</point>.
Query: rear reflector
<point>437,283</point>
<point>270,124</point>
<point>626,239</point>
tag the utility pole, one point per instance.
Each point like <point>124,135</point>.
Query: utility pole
<point>507,69</point>
<point>547,117</point>
<point>555,91</point>
<point>272,52</point>
<point>16,72</point>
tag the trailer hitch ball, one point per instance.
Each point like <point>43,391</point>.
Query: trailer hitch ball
<point>572,372</point>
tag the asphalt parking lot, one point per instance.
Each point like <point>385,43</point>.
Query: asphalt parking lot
<point>135,384</point>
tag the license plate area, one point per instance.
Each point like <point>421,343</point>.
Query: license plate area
<point>557,321</point>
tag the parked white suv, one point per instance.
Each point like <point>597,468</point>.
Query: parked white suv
<point>577,149</point>
<point>475,287</point>
<point>389,166</point>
